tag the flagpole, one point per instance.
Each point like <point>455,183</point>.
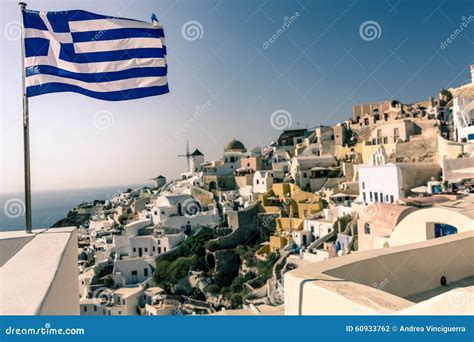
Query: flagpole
<point>26,124</point>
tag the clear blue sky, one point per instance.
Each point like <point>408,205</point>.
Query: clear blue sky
<point>316,70</point>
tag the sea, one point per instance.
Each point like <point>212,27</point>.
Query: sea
<point>50,206</point>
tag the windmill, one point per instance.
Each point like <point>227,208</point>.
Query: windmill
<point>187,155</point>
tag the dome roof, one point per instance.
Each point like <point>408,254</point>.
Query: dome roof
<point>234,145</point>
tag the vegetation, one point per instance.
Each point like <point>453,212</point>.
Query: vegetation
<point>343,221</point>
<point>214,289</point>
<point>169,273</point>
<point>188,256</point>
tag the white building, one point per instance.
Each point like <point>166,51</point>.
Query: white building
<point>182,211</point>
<point>234,151</point>
<point>131,270</point>
<point>121,302</point>
<point>262,181</point>
<point>387,183</point>
<point>302,167</point>
<point>463,111</point>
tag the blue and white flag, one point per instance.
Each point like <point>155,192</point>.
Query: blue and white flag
<point>103,57</point>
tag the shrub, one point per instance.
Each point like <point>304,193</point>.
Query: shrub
<point>213,288</point>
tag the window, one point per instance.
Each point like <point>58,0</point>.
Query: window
<point>367,228</point>
<point>312,229</point>
<point>376,197</point>
<point>370,195</point>
<point>145,272</point>
<point>258,182</point>
<point>385,140</point>
<point>134,250</point>
<point>305,175</point>
<point>364,197</point>
<point>164,249</point>
<point>156,212</point>
<point>248,164</point>
<point>95,308</point>
<point>123,302</point>
<point>154,248</point>
<point>391,199</point>
<point>85,308</point>
<point>363,185</point>
<point>146,250</point>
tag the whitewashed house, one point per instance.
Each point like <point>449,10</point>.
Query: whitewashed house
<point>262,181</point>
<point>387,183</point>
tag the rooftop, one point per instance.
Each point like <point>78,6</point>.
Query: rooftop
<point>382,281</point>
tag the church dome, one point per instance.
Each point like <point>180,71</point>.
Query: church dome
<point>234,146</point>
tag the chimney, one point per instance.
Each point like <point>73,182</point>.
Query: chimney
<point>472,73</point>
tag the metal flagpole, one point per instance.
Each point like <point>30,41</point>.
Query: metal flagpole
<point>26,123</point>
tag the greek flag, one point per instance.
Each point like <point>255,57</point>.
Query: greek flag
<point>107,58</point>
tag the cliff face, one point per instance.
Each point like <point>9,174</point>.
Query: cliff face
<point>72,219</point>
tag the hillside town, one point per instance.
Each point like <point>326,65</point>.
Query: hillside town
<point>242,234</point>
